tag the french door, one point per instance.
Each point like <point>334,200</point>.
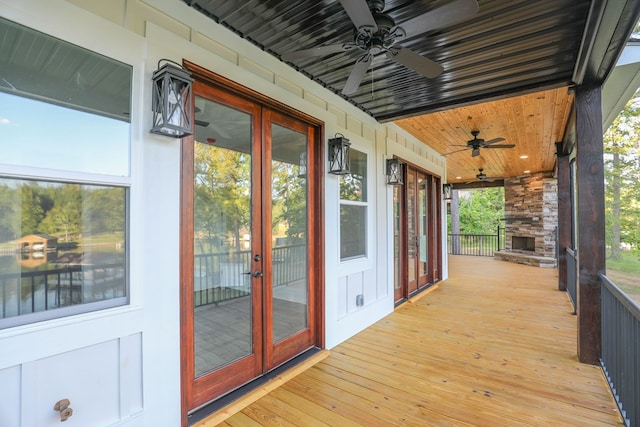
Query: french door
<point>248,241</point>
<point>417,236</point>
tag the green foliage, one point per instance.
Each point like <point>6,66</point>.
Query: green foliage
<point>289,201</point>
<point>629,262</point>
<point>222,196</point>
<point>481,210</point>
<point>622,196</point>
<point>67,211</point>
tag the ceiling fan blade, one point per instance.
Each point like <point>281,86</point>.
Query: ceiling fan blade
<point>491,141</point>
<point>441,17</point>
<point>358,11</point>
<point>457,151</point>
<point>501,146</point>
<point>417,63</point>
<point>316,51</point>
<point>357,74</point>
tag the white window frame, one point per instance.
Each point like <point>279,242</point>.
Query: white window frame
<point>366,204</point>
<point>106,49</point>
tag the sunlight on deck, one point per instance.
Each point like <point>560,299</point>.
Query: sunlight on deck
<point>494,345</point>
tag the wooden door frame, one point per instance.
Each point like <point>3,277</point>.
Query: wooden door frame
<point>434,223</point>
<point>315,220</point>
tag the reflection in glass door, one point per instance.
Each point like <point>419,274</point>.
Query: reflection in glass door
<point>222,244</point>
<point>398,286</point>
<point>289,232</point>
<point>412,235</point>
<point>248,249</point>
<point>422,216</point>
<point>290,302</point>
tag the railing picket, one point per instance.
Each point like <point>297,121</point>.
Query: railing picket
<point>474,244</point>
<point>286,269</point>
<point>620,323</point>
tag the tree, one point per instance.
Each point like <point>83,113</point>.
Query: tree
<point>222,195</point>
<point>622,155</point>
<point>9,228</point>
<point>36,203</point>
<point>289,200</point>
<point>65,217</point>
<point>481,211</point>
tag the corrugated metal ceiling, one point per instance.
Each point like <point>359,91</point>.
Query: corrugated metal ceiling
<point>508,47</point>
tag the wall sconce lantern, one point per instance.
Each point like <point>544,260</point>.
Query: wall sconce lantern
<point>446,191</point>
<point>394,171</point>
<point>172,100</point>
<point>339,163</point>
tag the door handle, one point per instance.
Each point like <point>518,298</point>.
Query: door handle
<point>257,273</point>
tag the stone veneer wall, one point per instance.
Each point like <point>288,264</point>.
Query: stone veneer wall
<point>531,210</point>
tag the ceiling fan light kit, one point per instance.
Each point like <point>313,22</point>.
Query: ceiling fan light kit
<point>377,32</point>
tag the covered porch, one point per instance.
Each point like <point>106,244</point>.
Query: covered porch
<point>494,344</point>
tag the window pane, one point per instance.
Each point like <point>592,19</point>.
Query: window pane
<point>61,106</point>
<point>353,226</point>
<point>353,186</point>
<point>43,135</point>
<point>39,66</point>
<point>61,245</point>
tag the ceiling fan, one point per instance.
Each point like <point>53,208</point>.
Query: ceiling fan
<point>476,143</point>
<point>376,33</point>
<point>481,176</point>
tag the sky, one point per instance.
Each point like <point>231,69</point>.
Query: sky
<point>38,134</point>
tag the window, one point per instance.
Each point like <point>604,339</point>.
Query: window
<point>353,208</point>
<point>64,178</point>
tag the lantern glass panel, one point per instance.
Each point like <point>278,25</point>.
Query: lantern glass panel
<point>171,102</point>
<point>339,161</point>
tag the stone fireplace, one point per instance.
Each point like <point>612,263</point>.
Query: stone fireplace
<point>531,218</point>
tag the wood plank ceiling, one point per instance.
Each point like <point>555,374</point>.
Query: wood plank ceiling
<point>533,122</point>
<point>520,55</point>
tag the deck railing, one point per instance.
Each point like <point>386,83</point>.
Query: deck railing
<point>476,244</point>
<point>41,290</point>
<point>572,276</point>
<point>225,276</point>
<point>620,323</point>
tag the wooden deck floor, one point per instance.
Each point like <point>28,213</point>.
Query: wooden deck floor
<point>494,345</point>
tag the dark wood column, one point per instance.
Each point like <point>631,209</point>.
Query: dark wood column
<point>564,217</point>
<point>590,219</point>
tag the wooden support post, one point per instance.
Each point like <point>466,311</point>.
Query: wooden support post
<point>564,218</point>
<point>590,219</point>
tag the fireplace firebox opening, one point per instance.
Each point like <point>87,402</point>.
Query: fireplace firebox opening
<point>523,243</point>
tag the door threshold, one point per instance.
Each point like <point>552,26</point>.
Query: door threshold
<point>224,407</point>
<point>422,293</point>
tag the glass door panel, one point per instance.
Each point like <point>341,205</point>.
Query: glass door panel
<point>289,300</point>
<point>398,288</point>
<point>222,239</point>
<point>423,230</point>
<point>289,289</point>
<point>412,234</point>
